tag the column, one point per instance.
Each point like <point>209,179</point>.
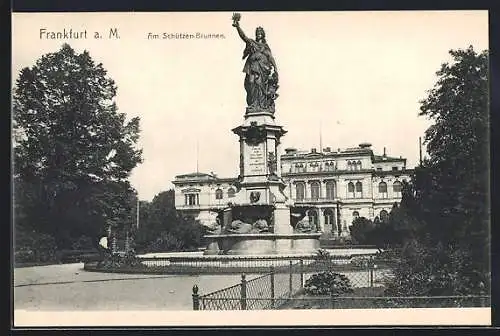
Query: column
<point>321,220</point>
<point>335,230</point>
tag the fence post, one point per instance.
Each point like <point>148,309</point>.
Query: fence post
<point>243,296</point>
<point>301,273</point>
<point>196,298</point>
<point>370,269</point>
<point>290,282</point>
<point>272,287</point>
<point>332,301</point>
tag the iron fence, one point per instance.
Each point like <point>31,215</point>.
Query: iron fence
<point>385,302</point>
<point>284,288</point>
<point>268,291</point>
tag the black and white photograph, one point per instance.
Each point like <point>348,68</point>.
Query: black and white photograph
<point>251,168</point>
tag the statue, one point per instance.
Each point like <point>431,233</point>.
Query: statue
<point>261,80</point>
<point>260,225</point>
<point>214,227</point>
<point>272,164</point>
<point>238,226</point>
<point>304,226</point>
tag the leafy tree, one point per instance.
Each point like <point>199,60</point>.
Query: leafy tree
<point>361,230</point>
<point>163,228</point>
<point>73,150</point>
<point>450,198</point>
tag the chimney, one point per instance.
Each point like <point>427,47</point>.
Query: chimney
<point>313,150</point>
<point>384,152</point>
<point>327,149</point>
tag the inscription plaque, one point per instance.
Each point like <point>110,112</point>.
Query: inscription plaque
<point>256,160</point>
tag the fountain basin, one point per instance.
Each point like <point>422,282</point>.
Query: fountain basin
<point>262,243</point>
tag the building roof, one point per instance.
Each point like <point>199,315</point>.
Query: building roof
<point>195,177</point>
<point>382,158</point>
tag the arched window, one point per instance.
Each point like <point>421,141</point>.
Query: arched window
<point>384,215</point>
<point>315,191</point>
<point>218,194</point>
<point>397,187</point>
<point>330,190</point>
<point>230,192</point>
<point>382,189</point>
<point>299,191</point>
<point>313,217</point>
<point>355,214</point>
<point>350,190</point>
<point>329,217</point>
<point>349,165</point>
<point>358,165</point>
<point>359,190</point>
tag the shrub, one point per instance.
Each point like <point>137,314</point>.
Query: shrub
<point>328,283</point>
<point>83,243</point>
<point>165,242</point>
<point>35,247</point>
<point>115,261</point>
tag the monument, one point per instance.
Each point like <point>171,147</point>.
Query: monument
<point>258,220</point>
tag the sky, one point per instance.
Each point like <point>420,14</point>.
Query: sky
<point>352,77</point>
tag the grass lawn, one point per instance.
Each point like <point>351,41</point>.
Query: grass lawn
<point>303,301</point>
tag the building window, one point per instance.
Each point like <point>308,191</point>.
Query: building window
<point>379,168</point>
<point>358,165</point>
<point>394,168</point>
<point>397,187</point>
<point>359,190</point>
<point>231,192</point>
<point>350,190</point>
<point>299,191</point>
<point>315,190</point>
<point>330,165</point>
<point>355,214</point>
<point>382,189</point>
<point>218,194</point>
<point>330,190</point>
<point>191,199</point>
<point>313,217</point>
<point>384,216</point>
<point>328,214</point>
<point>329,219</point>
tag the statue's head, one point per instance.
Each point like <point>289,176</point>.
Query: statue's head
<point>260,34</point>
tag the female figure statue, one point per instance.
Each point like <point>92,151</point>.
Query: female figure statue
<point>261,80</point>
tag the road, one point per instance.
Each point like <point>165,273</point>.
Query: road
<point>68,287</point>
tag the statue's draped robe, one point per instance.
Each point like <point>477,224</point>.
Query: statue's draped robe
<point>257,68</point>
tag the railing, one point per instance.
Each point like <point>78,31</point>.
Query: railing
<point>285,290</point>
<point>247,264</point>
<point>384,302</point>
<point>268,291</point>
<point>315,199</point>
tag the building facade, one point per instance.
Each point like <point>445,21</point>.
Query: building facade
<point>331,187</point>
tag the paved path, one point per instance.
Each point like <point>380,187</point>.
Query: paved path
<point>69,287</point>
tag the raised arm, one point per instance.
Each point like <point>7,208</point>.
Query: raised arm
<point>240,32</point>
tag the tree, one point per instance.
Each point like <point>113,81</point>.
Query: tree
<point>451,188</point>
<point>163,228</point>
<point>73,150</point>
<point>362,230</point>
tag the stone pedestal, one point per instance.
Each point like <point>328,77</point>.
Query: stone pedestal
<point>260,197</point>
<point>282,220</point>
